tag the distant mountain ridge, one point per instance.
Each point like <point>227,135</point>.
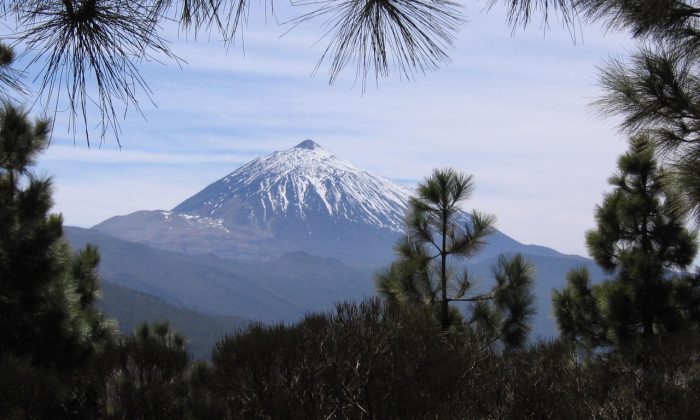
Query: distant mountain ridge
<point>280,290</point>
<point>300,199</point>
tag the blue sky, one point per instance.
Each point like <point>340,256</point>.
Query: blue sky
<point>514,111</point>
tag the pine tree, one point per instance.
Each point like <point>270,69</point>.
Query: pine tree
<point>49,325</point>
<point>46,292</point>
<point>641,240</point>
<point>439,236</point>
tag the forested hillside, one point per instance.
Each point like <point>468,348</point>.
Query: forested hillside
<point>131,309</point>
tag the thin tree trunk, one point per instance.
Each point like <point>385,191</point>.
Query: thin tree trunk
<point>443,274</point>
<point>647,315</point>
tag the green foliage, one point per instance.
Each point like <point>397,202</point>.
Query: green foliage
<point>439,236</point>
<point>656,92</point>
<point>640,238</point>
<point>51,331</point>
<point>148,375</point>
<point>514,300</point>
<point>10,78</point>
<point>685,180</point>
<point>644,19</point>
<point>47,292</point>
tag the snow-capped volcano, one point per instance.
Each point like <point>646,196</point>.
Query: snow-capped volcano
<point>300,199</point>
<point>304,184</point>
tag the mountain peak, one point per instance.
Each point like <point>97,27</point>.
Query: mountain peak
<point>308,145</point>
<point>304,189</point>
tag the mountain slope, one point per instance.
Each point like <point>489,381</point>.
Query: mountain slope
<point>132,308</point>
<point>300,199</point>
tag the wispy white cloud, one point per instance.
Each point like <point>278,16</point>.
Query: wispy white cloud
<point>64,153</point>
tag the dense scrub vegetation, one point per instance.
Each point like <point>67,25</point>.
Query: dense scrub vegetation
<point>365,360</point>
<point>370,360</point>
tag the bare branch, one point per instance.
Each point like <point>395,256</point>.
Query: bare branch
<point>478,298</point>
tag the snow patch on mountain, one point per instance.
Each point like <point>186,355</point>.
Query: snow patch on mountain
<point>194,220</point>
